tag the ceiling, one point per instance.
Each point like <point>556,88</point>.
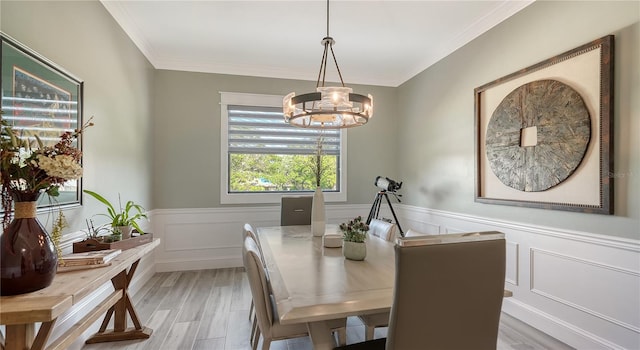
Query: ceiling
<point>377,42</point>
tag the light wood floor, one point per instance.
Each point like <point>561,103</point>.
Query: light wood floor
<point>208,309</point>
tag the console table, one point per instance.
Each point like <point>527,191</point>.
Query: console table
<point>20,313</point>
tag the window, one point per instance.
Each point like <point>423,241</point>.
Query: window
<point>263,158</point>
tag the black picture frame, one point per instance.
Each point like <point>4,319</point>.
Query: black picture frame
<point>590,68</point>
<point>38,96</point>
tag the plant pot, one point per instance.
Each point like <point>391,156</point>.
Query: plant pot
<point>28,257</point>
<point>354,250</point>
<point>125,231</point>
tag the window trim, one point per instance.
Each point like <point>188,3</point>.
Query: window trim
<point>261,100</point>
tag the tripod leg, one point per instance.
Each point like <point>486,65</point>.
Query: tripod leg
<point>375,208</point>
<point>394,215</point>
<point>379,203</point>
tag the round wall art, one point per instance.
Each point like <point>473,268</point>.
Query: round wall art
<point>557,126</point>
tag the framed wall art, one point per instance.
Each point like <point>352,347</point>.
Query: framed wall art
<point>544,134</point>
<point>40,98</point>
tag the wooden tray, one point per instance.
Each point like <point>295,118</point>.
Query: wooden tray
<point>93,244</point>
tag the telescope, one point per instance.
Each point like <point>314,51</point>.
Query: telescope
<point>387,184</point>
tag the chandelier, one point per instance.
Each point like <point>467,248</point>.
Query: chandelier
<point>330,107</point>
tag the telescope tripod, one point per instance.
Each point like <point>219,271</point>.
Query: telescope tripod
<point>375,208</point>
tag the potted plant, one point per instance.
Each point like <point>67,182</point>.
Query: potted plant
<point>354,234</point>
<point>125,219</point>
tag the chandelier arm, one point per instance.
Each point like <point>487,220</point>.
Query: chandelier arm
<point>325,57</point>
<point>323,67</point>
<point>337,67</point>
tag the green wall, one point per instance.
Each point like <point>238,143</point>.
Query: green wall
<point>81,37</point>
<point>187,136</point>
<point>156,138</point>
<point>437,112</point>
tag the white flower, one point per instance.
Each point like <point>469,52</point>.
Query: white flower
<point>61,166</point>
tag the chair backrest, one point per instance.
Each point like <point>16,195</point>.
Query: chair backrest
<point>448,292</point>
<point>258,283</point>
<point>382,229</point>
<point>249,231</point>
<point>296,210</point>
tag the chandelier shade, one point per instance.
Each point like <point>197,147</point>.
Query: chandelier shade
<point>330,107</point>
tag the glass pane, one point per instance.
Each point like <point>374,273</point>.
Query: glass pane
<point>280,173</point>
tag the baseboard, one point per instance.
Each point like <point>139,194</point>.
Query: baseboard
<point>555,327</point>
<point>199,264</point>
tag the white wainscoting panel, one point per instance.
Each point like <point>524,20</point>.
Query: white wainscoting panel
<point>581,288</point>
<point>196,239</point>
<point>511,269</point>
<point>598,279</point>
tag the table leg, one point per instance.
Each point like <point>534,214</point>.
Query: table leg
<point>321,335</point>
<point>17,337</point>
<point>119,313</point>
<point>23,336</point>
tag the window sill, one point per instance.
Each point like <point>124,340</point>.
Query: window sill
<point>264,198</point>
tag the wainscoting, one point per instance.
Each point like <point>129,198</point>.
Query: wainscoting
<point>580,288</point>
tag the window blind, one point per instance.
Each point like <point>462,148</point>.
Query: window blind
<point>262,130</point>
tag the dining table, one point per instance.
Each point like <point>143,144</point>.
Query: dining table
<point>313,284</point>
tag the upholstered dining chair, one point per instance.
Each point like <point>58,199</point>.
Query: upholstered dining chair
<point>266,313</point>
<point>447,294</point>
<point>386,231</point>
<point>382,229</point>
<point>249,231</point>
<point>295,210</point>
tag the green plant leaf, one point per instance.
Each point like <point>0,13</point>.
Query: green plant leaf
<point>101,199</point>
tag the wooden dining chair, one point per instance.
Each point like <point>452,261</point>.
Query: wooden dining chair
<point>383,230</point>
<point>295,210</point>
<point>268,321</point>
<point>447,294</point>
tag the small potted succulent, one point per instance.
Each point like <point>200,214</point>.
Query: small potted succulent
<point>354,234</point>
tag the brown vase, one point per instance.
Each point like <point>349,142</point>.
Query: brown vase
<point>28,260</point>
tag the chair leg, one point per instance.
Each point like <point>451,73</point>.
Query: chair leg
<point>256,340</point>
<point>342,336</point>
<point>254,329</point>
<point>251,309</point>
<point>368,332</point>
<point>266,343</point>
